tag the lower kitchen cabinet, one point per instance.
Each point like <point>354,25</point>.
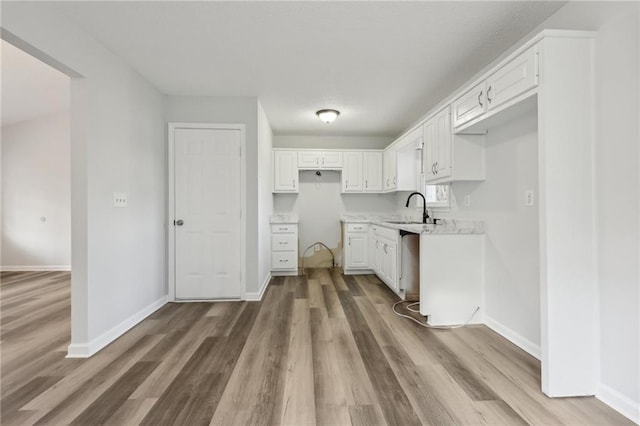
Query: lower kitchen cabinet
<point>384,251</point>
<point>284,249</point>
<point>356,248</point>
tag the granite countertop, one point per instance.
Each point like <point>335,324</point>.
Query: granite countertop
<point>284,218</point>
<point>444,226</point>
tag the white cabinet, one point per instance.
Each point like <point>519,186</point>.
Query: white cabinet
<point>320,160</point>
<point>362,171</point>
<point>284,248</point>
<point>470,105</point>
<point>390,168</point>
<point>372,171</point>
<point>356,247</point>
<point>449,157</point>
<point>403,162</point>
<point>384,249</point>
<point>517,77</point>
<point>437,150</point>
<point>352,173</point>
<point>285,171</point>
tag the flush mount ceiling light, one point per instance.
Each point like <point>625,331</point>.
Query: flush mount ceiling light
<point>328,115</point>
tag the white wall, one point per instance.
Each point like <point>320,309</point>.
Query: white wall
<point>238,110</point>
<point>617,177</point>
<point>117,145</point>
<point>36,185</point>
<point>265,199</point>
<point>512,285</point>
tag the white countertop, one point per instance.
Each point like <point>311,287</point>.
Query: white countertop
<point>444,226</point>
<point>284,218</point>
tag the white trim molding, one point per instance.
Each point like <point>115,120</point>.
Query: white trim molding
<point>526,345</point>
<point>256,297</point>
<point>34,268</point>
<point>85,350</point>
<point>619,402</point>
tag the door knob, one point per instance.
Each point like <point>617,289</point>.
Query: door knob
<point>179,222</point>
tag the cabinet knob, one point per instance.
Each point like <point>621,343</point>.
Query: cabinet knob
<point>366,184</point>
<point>179,222</point>
<point>349,240</point>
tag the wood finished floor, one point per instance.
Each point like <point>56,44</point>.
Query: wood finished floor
<point>323,349</point>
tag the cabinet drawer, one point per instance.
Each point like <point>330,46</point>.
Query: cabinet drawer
<point>284,260</point>
<point>357,227</point>
<point>284,242</point>
<point>284,228</point>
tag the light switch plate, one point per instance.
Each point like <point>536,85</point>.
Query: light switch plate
<point>119,200</point>
<point>529,198</point>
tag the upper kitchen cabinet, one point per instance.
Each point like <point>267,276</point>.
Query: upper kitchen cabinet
<point>390,168</point>
<point>331,160</point>
<point>449,157</point>
<point>437,147</point>
<point>352,177</point>
<point>508,85</point>
<point>362,171</point>
<point>285,171</point>
<point>372,171</point>
<point>403,162</point>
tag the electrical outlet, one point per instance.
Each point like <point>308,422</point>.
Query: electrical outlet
<point>317,247</point>
<point>529,198</point>
<point>119,200</point>
<point>467,200</point>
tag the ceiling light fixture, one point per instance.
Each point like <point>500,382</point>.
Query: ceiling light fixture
<point>328,115</point>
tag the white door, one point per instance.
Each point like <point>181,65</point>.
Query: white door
<point>207,213</point>
<point>357,251</point>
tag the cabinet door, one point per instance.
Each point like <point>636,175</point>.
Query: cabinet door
<point>430,154</point>
<point>356,256</point>
<point>443,141</point>
<point>331,160</point>
<point>513,79</point>
<point>470,105</point>
<point>390,168</point>
<point>309,159</point>
<point>352,172</point>
<point>392,265</point>
<point>285,171</point>
<point>372,171</point>
<point>373,256</point>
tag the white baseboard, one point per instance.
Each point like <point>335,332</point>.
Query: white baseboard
<point>622,404</point>
<point>85,350</point>
<point>34,268</point>
<point>524,344</point>
<point>256,297</point>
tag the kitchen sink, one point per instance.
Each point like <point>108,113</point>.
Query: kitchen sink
<point>404,222</point>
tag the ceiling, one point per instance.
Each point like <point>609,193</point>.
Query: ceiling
<point>30,88</point>
<point>382,64</point>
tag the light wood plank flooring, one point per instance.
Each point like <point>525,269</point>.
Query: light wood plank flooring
<point>322,349</point>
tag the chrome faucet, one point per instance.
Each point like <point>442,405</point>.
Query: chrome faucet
<point>425,216</point>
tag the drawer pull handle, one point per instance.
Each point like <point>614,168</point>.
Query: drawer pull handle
<point>283,229</point>
<point>282,242</point>
<point>284,260</point>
